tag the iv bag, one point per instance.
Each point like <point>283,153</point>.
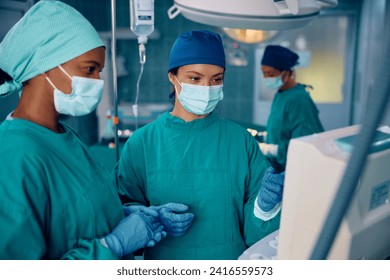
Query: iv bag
<point>142,18</point>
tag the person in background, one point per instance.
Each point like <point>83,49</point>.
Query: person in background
<point>191,156</point>
<point>293,112</point>
<point>57,202</point>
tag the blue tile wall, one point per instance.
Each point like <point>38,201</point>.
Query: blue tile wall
<point>155,87</point>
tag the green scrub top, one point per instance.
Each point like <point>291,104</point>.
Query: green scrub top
<point>56,200</point>
<point>212,165</point>
<point>293,114</point>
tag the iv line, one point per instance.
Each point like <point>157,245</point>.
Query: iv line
<point>142,57</point>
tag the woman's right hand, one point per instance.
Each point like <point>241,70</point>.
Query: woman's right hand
<point>135,231</point>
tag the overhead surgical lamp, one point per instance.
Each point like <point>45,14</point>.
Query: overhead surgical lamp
<point>251,14</point>
<point>249,36</point>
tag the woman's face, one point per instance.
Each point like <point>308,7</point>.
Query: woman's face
<point>87,65</point>
<point>270,72</point>
<point>198,74</point>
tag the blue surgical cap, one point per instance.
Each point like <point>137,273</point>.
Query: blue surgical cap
<point>49,34</point>
<point>279,58</point>
<point>197,47</point>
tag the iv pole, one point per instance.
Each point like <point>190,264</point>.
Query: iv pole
<point>115,118</point>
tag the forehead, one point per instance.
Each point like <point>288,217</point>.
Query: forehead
<point>97,55</point>
<point>268,69</point>
<point>205,69</point>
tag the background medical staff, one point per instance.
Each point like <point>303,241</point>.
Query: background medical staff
<point>57,202</point>
<point>191,156</point>
<point>293,112</point>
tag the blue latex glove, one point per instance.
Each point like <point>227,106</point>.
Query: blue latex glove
<point>271,190</point>
<point>175,222</point>
<point>131,209</point>
<point>134,232</point>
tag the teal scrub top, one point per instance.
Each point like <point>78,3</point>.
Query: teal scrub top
<point>212,165</point>
<point>56,200</point>
<point>293,114</point>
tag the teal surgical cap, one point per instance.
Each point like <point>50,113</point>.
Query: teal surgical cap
<point>197,47</point>
<point>49,34</point>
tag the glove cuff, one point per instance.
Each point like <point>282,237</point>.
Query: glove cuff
<point>103,242</point>
<point>269,149</point>
<point>265,216</point>
<point>113,244</point>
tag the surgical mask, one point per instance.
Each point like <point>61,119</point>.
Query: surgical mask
<point>273,82</point>
<point>86,95</point>
<point>200,100</point>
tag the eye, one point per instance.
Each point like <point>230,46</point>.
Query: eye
<point>275,74</point>
<point>91,69</point>
<point>269,74</point>
<point>216,81</point>
<point>195,78</point>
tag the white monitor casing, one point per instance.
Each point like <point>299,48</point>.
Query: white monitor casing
<point>315,166</point>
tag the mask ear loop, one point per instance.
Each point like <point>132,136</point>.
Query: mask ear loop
<point>177,80</point>
<point>63,70</point>
<point>50,82</point>
<point>66,73</point>
<point>176,91</point>
<point>283,78</point>
<point>281,75</point>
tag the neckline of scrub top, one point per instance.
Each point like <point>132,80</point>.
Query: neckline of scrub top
<point>296,87</point>
<point>36,127</point>
<point>198,124</point>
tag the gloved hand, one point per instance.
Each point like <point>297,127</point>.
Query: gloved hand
<point>271,190</point>
<point>135,231</point>
<point>269,149</point>
<point>174,221</point>
<point>131,209</point>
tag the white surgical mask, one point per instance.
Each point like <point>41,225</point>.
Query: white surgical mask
<point>200,100</point>
<point>86,95</point>
<point>273,82</point>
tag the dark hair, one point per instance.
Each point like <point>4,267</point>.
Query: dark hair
<point>4,77</point>
<point>172,94</point>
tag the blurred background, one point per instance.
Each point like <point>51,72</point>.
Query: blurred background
<point>339,56</point>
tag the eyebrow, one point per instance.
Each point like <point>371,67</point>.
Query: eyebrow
<point>200,74</point>
<point>270,72</point>
<point>97,64</point>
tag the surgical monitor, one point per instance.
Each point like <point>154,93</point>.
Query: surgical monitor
<point>315,166</point>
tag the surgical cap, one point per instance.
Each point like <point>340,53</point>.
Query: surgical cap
<point>197,47</point>
<point>49,34</point>
<point>279,58</point>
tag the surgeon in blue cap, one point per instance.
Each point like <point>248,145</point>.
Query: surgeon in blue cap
<point>293,112</point>
<point>200,172</point>
<point>57,201</point>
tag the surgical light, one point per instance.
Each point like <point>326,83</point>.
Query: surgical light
<point>251,14</point>
<point>249,36</point>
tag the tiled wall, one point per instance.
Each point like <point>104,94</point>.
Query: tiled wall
<point>154,87</point>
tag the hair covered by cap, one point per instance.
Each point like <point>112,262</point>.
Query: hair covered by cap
<point>279,57</point>
<point>197,47</point>
<point>49,34</point>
